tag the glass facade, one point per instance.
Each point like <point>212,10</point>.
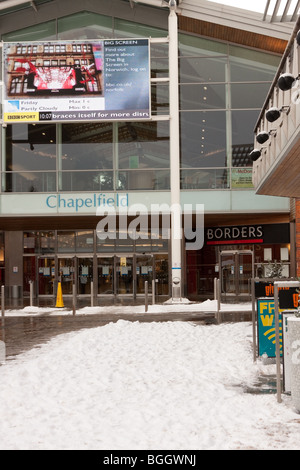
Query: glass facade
<point>235,266</point>
<point>80,258</point>
<point>222,89</point>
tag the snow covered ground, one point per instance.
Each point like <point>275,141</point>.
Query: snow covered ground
<point>150,386</point>
<point>209,306</point>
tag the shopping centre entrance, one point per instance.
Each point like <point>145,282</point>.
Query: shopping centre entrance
<point>100,276</point>
<point>236,272</point>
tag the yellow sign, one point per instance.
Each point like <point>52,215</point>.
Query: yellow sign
<point>21,117</point>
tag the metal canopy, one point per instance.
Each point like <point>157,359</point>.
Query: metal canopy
<point>281,11</point>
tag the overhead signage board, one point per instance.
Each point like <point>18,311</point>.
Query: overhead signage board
<point>71,81</point>
<point>248,234</point>
<point>288,296</point>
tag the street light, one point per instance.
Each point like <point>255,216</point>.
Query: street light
<point>274,113</point>
<point>255,155</point>
<point>286,81</point>
<point>264,136</point>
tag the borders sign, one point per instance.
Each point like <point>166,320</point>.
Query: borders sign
<point>71,81</point>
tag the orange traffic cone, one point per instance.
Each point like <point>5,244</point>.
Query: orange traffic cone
<point>59,297</point>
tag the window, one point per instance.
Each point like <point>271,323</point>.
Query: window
<point>203,139</point>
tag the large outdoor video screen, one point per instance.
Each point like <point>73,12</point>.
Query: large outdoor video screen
<point>76,81</point>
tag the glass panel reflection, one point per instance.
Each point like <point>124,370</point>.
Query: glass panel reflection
<point>192,45</point>
<point>28,182</point>
<point>208,178</point>
<point>143,145</point>
<point>201,69</point>
<point>30,147</point>
<point>202,97</point>
<point>250,95</point>
<point>85,25</point>
<point>87,146</point>
<point>106,276</point>
<point>144,180</point>
<point>124,275</point>
<point>87,181</point>
<point>203,139</point>
<point>66,242</point>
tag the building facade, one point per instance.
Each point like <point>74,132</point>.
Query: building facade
<point>55,176</point>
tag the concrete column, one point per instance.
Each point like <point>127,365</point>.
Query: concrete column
<point>14,263</point>
<point>294,347</point>
<point>176,220</point>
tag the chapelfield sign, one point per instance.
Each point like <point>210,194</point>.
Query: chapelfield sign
<point>59,201</point>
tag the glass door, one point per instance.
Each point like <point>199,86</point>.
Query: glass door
<point>46,276</point>
<point>144,272</point>
<point>236,271</point>
<point>161,274</point>
<point>124,275</point>
<point>66,270</point>
<point>245,265</point>
<point>106,276</point>
<point>29,274</point>
<point>84,275</point>
<point>228,272</point>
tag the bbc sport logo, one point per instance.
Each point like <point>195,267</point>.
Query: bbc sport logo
<point>2,351</point>
<point>13,106</point>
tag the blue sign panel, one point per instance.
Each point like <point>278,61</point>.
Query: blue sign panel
<point>266,327</point>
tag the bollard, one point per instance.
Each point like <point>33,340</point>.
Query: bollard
<point>153,292</point>
<point>31,292</point>
<point>92,294</point>
<point>2,302</point>
<point>146,296</point>
<point>218,292</point>
<point>74,299</point>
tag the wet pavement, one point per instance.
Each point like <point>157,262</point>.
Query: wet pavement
<point>23,333</point>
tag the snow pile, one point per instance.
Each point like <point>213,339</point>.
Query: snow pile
<point>146,386</point>
<point>209,306</point>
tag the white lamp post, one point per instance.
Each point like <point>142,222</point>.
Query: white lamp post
<point>176,232</point>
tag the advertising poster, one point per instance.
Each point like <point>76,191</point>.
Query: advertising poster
<point>241,178</point>
<point>266,327</point>
<point>71,81</point>
<point>288,296</point>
